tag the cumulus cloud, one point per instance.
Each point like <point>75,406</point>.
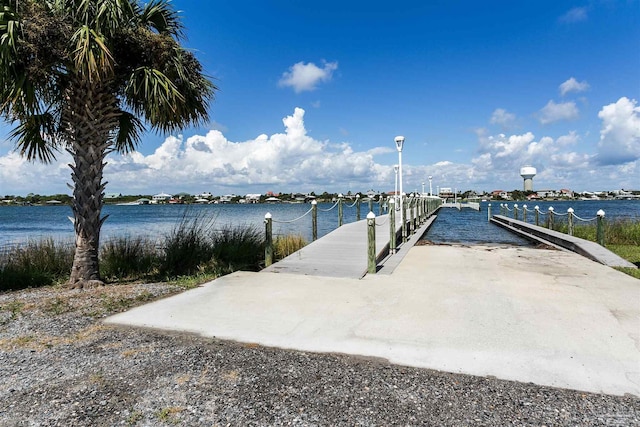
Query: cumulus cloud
<point>576,14</point>
<point>572,85</point>
<point>290,160</point>
<point>502,117</point>
<point>620,133</point>
<point>306,77</point>
<point>553,112</point>
<point>20,177</point>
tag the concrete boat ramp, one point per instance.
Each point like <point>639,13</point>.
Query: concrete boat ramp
<point>532,315</point>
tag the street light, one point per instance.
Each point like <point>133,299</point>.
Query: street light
<point>430,188</point>
<point>395,194</point>
<point>399,143</point>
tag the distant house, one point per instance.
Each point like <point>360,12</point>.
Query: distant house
<point>252,198</point>
<point>227,198</point>
<point>566,194</point>
<point>500,193</point>
<point>205,195</point>
<point>446,193</point>
<point>547,194</point>
<point>161,198</point>
<point>112,195</point>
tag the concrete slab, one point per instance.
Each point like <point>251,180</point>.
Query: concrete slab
<point>548,317</point>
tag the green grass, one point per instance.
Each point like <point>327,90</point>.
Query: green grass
<point>238,248</point>
<point>128,258</point>
<point>286,245</point>
<point>621,237</point>
<point>187,249</point>
<point>35,263</point>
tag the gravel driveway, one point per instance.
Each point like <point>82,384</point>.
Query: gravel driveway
<point>60,366</point>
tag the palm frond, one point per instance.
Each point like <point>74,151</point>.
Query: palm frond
<point>36,137</point>
<point>114,14</point>
<point>130,130</point>
<point>92,57</point>
<point>152,93</point>
<point>159,15</point>
<point>9,33</point>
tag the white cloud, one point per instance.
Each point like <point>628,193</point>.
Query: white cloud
<point>290,160</point>
<point>572,85</point>
<point>20,177</point>
<point>295,161</point>
<point>306,77</point>
<point>502,117</point>
<point>576,14</point>
<point>553,112</point>
<point>570,139</point>
<point>620,133</point>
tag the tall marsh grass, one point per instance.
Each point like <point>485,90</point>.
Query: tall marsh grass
<point>128,257</point>
<point>238,248</point>
<point>35,263</point>
<point>188,248</point>
<point>288,244</point>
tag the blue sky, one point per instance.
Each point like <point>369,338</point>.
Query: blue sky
<point>312,95</point>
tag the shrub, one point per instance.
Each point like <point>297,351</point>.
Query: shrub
<point>128,258</point>
<point>36,263</point>
<point>238,248</point>
<point>187,249</point>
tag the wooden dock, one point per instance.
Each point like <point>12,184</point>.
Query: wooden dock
<point>344,251</point>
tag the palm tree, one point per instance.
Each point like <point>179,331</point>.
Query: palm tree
<point>85,76</point>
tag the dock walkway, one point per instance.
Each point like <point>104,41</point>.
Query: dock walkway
<point>340,253</point>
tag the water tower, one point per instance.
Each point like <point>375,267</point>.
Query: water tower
<point>527,173</point>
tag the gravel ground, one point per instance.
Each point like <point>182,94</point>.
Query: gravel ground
<point>60,366</point>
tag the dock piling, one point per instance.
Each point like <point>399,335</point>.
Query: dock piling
<point>371,246</point>
<point>600,228</point>
<point>268,247</point>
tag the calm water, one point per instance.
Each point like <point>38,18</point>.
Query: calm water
<point>471,227</point>
<point>21,223</point>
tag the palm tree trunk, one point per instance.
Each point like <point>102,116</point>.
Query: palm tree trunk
<point>91,118</point>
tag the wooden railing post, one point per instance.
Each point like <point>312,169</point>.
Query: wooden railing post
<point>392,222</point>
<point>412,227</point>
<point>600,228</point>
<point>340,210</point>
<point>314,220</point>
<point>515,211</point>
<point>371,249</point>
<point>403,212</point>
<point>268,240</point>
<point>489,212</point>
<point>550,218</point>
<point>524,213</point>
<point>357,207</point>
<point>570,221</point>
<point>537,210</point>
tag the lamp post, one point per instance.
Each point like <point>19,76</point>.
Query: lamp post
<point>399,143</point>
<point>395,194</point>
<point>430,188</point>
<point>422,188</point>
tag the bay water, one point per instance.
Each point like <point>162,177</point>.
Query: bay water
<point>19,224</point>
